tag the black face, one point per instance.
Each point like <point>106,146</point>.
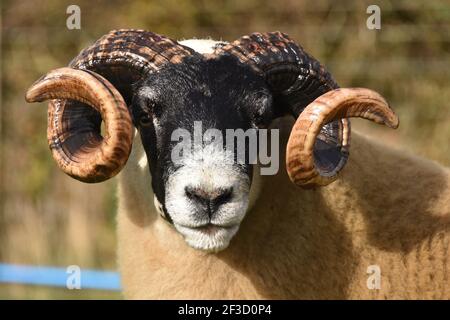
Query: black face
<point>221,93</point>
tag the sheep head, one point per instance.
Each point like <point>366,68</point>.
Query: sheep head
<point>134,78</point>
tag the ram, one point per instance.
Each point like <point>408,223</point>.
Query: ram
<point>209,226</point>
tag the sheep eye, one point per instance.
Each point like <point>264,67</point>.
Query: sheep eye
<point>145,120</point>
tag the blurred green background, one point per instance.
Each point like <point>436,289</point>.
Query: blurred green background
<point>47,218</point>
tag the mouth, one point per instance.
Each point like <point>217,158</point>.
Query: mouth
<point>208,237</point>
<point>210,228</point>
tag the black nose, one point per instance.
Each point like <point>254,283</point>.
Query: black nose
<point>209,200</point>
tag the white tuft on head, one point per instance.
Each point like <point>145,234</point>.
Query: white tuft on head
<point>203,46</point>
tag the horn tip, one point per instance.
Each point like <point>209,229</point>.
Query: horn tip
<point>33,93</point>
<point>32,96</point>
<point>394,122</point>
<point>29,96</point>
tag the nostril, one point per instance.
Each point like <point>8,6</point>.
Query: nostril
<point>211,199</point>
<point>223,197</point>
<point>196,195</point>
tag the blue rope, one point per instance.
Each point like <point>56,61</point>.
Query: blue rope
<point>57,277</point>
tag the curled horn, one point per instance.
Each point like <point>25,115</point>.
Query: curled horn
<point>98,86</point>
<point>301,165</point>
<point>85,156</point>
<point>318,147</point>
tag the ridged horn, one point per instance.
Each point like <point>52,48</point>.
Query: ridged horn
<point>302,165</point>
<point>296,79</point>
<point>84,154</point>
<point>99,85</point>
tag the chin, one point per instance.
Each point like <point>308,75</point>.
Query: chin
<point>210,238</point>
